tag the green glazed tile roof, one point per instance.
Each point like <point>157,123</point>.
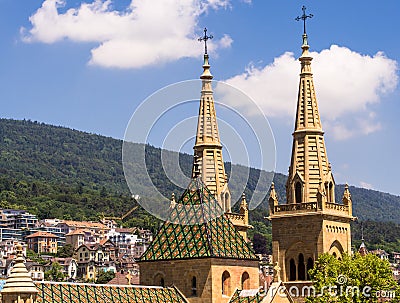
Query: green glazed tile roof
<point>255,298</point>
<point>197,228</point>
<point>89,293</point>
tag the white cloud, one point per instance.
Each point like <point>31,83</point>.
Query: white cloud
<point>144,33</point>
<point>366,185</point>
<point>347,84</point>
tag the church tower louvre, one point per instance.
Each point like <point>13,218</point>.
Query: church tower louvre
<point>311,222</point>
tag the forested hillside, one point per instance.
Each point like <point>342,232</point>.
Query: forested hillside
<point>58,172</point>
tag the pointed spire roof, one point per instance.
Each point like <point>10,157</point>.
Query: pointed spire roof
<point>363,251</point>
<point>208,161</point>
<point>198,228</point>
<point>310,171</point>
<point>207,127</point>
<point>19,281</point>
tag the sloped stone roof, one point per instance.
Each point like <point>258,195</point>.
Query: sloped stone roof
<point>52,292</point>
<point>197,228</point>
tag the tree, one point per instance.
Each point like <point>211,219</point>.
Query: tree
<point>65,251</point>
<point>55,273</point>
<point>260,244</point>
<point>105,276</point>
<point>352,279</point>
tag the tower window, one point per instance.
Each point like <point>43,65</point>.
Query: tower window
<point>310,265</point>
<point>245,280</point>
<point>292,273</point>
<point>194,286</point>
<point>159,280</point>
<point>226,283</point>
<point>227,202</point>
<point>297,191</point>
<point>301,268</point>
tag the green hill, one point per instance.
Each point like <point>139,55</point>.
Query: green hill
<point>58,172</point>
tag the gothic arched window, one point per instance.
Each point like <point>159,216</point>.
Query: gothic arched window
<point>310,265</point>
<point>301,268</point>
<point>298,193</point>
<point>226,283</point>
<point>245,280</point>
<point>194,286</point>
<point>292,270</point>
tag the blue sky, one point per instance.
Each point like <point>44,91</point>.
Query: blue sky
<point>88,65</point>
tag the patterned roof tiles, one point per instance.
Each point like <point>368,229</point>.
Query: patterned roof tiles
<point>247,296</point>
<point>197,228</point>
<point>52,292</point>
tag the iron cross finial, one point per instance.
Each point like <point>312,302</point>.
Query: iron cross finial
<point>304,17</point>
<point>205,38</point>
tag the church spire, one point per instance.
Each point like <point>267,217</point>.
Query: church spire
<point>310,177</point>
<point>208,162</point>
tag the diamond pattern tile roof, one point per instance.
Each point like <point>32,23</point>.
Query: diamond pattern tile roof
<point>197,228</point>
<point>73,293</point>
<point>239,297</point>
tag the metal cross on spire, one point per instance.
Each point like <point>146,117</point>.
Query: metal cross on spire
<point>304,18</point>
<point>205,38</point>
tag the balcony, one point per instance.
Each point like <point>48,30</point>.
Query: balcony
<point>328,207</point>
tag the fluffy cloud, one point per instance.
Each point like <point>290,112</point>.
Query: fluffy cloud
<point>347,83</point>
<point>366,185</point>
<point>144,33</point>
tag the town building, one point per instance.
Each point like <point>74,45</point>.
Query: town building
<point>69,267</point>
<point>17,219</point>
<point>42,242</point>
<point>35,269</point>
<point>396,257</point>
<point>97,229</point>
<point>380,253</point>
<point>8,248</point>
<point>93,258</point>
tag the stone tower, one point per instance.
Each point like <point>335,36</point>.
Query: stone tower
<point>311,222</point>
<point>208,148</point>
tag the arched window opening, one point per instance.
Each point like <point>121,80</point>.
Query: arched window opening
<point>227,202</point>
<point>245,280</point>
<point>334,254</point>
<point>159,280</point>
<point>298,194</point>
<point>301,268</point>
<point>226,283</point>
<point>310,265</point>
<point>292,272</point>
<point>194,286</point>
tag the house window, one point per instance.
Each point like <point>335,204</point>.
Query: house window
<point>245,280</point>
<point>194,286</point>
<point>226,283</point>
